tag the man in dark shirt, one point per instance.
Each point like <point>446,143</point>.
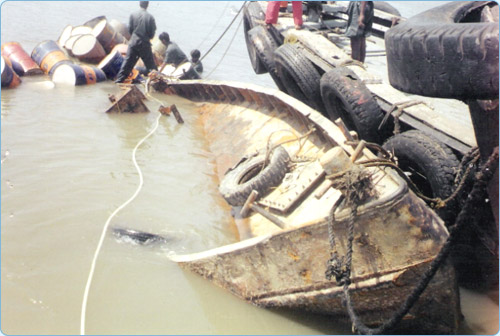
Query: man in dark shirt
<point>173,55</point>
<point>142,28</point>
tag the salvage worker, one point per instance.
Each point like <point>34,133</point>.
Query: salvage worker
<point>195,59</point>
<point>359,26</point>
<point>142,28</point>
<point>173,55</point>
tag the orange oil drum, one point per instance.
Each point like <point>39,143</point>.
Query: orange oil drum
<point>48,54</point>
<point>75,74</point>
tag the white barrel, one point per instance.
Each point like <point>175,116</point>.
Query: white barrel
<point>87,49</point>
<point>68,46</point>
<point>65,35</point>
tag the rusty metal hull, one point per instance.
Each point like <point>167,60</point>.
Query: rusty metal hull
<point>396,234</point>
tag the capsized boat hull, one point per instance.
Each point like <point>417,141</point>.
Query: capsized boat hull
<point>396,235</point>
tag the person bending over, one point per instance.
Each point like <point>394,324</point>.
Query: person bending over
<point>173,55</point>
<point>142,28</point>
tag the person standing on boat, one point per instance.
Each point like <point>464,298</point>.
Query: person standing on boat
<point>173,55</point>
<point>359,26</point>
<point>195,59</point>
<point>142,28</point>
<point>272,12</point>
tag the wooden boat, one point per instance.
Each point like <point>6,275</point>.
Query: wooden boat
<point>282,257</point>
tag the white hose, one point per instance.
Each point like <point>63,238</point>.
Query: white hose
<point>103,234</point>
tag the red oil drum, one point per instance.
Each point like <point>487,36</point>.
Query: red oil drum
<point>9,78</point>
<point>87,49</point>
<point>111,64</point>
<point>107,36</point>
<point>22,63</point>
<point>48,54</point>
<point>75,74</point>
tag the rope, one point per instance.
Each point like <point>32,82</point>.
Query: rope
<point>225,31</point>
<point>101,240</point>
<point>480,183</point>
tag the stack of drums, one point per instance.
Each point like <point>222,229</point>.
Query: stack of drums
<point>22,63</point>
<point>74,74</point>
<point>107,36</point>
<point>87,49</point>
<point>9,78</point>
<point>48,55</point>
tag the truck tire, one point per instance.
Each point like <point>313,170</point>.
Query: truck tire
<point>265,45</point>
<point>345,96</point>
<point>386,7</point>
<point>299,76</point>
<point>251,13</point>
<point>432,166</point>
<point>444,53</point>
<point>248,175</point>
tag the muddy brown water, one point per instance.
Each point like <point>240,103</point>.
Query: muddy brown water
<point>66,166</point>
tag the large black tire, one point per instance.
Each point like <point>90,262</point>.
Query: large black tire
<point>443,53</point>
<point>248,175</point>
<point>251,14</point>
<point>431,164</point>
<point>346,96</point>
<point>264,46</point>
<point>298,75</point>
<point>386,7</point>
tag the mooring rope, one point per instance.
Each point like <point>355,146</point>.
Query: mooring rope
<point>105,228</point>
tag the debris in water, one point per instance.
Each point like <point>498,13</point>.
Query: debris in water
<point>138,237</point>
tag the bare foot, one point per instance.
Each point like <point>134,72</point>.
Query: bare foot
<point>297,27</point>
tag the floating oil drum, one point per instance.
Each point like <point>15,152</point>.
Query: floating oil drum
<point>120,28</point>
<point>48,54</point>
<point>75,74</point>
<point>22,63</point>
<point>92,23</point>
<point>107,36</point>
<point>111,64</point>
<point>87,49</point>
<point>65,35</point>
<point>9,78</point>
